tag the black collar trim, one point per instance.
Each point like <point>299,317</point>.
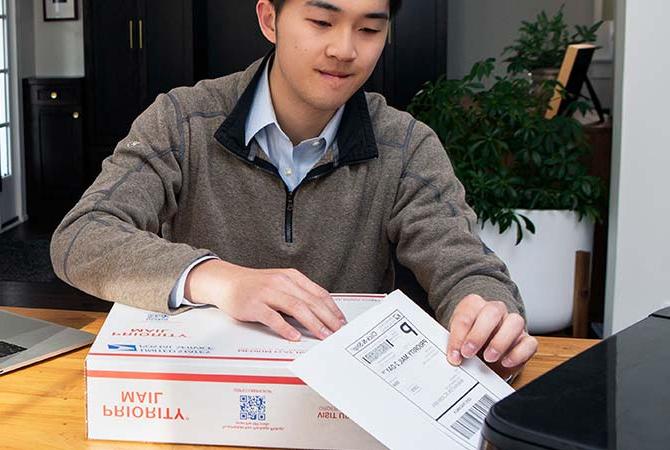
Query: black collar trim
<point>355,136</point>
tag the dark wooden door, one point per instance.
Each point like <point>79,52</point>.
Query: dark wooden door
<point>135,50</point>
<point>112,68</point>
<point>234,39</point>
<point>61,151</point>
<point>416,52</point>
<point>167,55</point>
<point>54,145</point>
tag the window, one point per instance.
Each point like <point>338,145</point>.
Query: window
<point>5,147</point>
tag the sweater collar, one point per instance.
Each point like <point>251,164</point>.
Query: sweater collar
<point>355,136</point>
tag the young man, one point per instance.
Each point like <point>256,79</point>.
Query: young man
<point>262,191</point>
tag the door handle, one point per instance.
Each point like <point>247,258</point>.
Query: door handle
<point>141,35</point>
<point>130,25</point>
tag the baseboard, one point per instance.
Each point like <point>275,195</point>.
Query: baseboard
<point>10,224</point>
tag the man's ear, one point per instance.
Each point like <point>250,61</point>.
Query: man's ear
<point>267,19</point>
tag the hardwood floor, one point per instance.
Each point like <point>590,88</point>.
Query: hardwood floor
<point>56,294</point>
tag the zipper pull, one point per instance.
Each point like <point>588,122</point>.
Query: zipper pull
<point>289,202</point>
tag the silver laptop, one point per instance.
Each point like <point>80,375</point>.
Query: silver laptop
<point>24,340</point>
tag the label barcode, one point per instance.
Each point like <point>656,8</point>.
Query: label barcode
<point>377,352</point>
<point>473,419</point>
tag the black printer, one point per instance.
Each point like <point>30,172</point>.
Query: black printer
<point>615,395</point>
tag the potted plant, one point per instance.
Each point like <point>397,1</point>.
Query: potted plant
<point>540,47</point>
<point>519,168</point>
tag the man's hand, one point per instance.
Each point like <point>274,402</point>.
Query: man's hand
<point>255,295</point>
<point>485,327</point>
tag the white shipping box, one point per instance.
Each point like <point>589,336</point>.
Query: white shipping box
<point>203,378</point>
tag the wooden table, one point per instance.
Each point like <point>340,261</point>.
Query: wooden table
<point>43,406</point>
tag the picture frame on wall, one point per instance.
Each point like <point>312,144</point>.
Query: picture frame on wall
<point>60,10</point>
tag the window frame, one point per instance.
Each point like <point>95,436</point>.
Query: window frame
<point>6,168</point>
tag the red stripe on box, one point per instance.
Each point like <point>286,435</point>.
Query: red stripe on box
<point>229,358</point>
<point>200,377</point>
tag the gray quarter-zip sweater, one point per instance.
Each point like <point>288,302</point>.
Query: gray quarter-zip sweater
<point>183,185</point>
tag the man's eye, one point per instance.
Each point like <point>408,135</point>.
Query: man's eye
<point>370,30</point>
<point>320,23</point>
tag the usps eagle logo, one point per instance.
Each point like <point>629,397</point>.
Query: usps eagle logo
<point>122,347</point>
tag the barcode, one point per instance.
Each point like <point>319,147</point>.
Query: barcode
<point>473,419</point>
<point>377,352</point>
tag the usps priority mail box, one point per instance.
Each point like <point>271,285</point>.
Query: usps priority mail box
<point>203,378</point>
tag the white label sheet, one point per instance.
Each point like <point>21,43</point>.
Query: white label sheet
<point>388,371</point>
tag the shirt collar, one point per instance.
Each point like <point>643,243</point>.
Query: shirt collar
<point>262,113</point>
<point>355,136</point>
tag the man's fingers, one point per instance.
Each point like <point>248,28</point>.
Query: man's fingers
<point>273,320</point>
<point>326,316</point>
<point>488,320</point>
<point>298,309</point>
<point>332,306</point>
<point>510,330</point>
<point>318,307</point>
<point>333,310</point>
<point>460,327</point>
<point>521,353</point>
<point>317,291</point>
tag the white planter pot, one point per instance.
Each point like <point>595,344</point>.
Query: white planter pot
<point>543,264</point>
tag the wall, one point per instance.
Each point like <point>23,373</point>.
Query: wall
<point>638,265</point>
<point>59,46</point>
<point>25,32</point>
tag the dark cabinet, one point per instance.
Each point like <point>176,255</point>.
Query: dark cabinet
<point>134,50</point>
<point>54,137</point>
<point>226,25</point>
<point>416,51</point>
<point>112,68</point>
<point>169,54</point>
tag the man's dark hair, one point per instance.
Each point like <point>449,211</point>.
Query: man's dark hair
<point>394,7</point>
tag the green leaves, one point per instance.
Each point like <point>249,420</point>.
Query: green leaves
<point>507,155</point>
<point>481,70</point>
<point>541,44</point>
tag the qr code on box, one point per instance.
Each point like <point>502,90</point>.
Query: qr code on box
<point>252,407</point>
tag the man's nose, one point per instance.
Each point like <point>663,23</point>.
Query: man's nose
<point>343,46</point>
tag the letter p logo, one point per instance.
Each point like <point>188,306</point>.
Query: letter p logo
<point>406,328</point>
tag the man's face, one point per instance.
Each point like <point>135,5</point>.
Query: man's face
<point>327,49</point>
